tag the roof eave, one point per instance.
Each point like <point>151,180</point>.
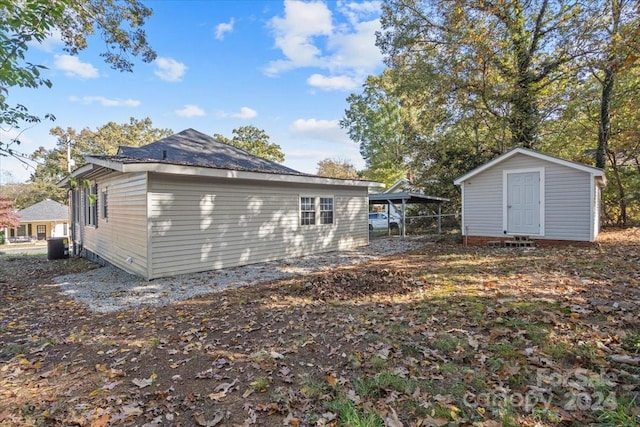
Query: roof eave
<point>189,170</point>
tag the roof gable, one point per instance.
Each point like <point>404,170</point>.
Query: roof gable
<point>46,210</point>
<point>534,154</point>
<point>193,148</point>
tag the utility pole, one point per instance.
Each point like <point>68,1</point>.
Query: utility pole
<point>72,207</point>
<point>68,143</point>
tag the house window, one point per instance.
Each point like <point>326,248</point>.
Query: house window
<point>326,210</point>
<point>316,207</point>
<point>41,232</point>
<point>307,210</point>
<point>91,205</point>
<point>75,201</point>
<point>103,204</point>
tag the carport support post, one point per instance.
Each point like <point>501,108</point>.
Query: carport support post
<point>404,221</point>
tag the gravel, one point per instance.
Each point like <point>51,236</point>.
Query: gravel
<point>109,289</point>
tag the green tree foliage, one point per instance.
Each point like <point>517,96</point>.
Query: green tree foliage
<point>254,141</point>
<point>337,168</point>
<point>473,79</point>
<point>23,23</point>
<point>600,121</point>
<point>495,58</point>
<point>26,194</point>
<point>378,122</point>
<point>105,140</point>
<point>616,46</point>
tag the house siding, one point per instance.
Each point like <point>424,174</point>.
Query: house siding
<point>121,238</point>
<point>568,208</point>
<point>199,224</point>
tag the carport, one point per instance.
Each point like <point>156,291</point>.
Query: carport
<point>404,199</point>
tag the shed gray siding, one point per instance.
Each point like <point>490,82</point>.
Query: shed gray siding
<point>199,224</point>
<point>123,235</point>
<point>568,209</point>
<point>483,204</point>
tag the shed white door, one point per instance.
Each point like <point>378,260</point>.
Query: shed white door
<point>523,203</point>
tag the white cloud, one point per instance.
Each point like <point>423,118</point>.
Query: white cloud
<point>169,69</point>
<point>106,102</point>
<point>357,11</point>
<point>356,49</point>
<point>223,28</point>
<point>326,130</point>
<point>333,82</point>
<point>295,32</point>
<point>309,35</point>
<point>190,111</point>
<point>49,44</point>
<point>244,113</point>
<point>73,67</point>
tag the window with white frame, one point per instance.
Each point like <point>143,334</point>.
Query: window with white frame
<point>307,210</point>
<point>316,210</point>
<point>103,204</point>
<point>75,202</point>
<point>326,210</point>
<point>91,205</point>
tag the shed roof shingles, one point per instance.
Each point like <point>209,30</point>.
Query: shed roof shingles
<point>47,210</point>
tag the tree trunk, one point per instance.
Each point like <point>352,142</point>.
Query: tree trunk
<point>604,128</point>
<point>622,203</point>
<point>523,116</point>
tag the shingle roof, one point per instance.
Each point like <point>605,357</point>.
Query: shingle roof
<point>47,210</point>
<point>193,148</point>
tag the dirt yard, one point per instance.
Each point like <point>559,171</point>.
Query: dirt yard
<point>443,335</point>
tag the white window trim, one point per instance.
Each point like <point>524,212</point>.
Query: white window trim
<point>91,208</point>
<point>104,207</point>
<point>319,210</point>
<point>316,200</point>
<point>505,174</point>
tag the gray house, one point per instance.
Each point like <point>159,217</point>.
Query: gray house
<point>40,221</point>
<point>527,193</point>
<point>188,203</point>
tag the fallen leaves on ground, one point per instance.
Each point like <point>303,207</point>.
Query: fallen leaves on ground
<point>442,336</point>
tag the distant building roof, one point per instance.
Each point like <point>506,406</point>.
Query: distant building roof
<point>193,148</point>
<point>46,210</point>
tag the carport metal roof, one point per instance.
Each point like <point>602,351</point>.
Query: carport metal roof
<point>405,198</point>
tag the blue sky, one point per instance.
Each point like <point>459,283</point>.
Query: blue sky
<point>286,67</point>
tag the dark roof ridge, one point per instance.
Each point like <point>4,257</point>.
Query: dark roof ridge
<point>193,148</point>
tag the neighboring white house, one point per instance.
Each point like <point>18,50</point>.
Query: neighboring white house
<point>40,221</point>
<point>188,203</point>
<point>527,193</point>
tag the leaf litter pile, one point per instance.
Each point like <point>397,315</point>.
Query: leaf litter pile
<point>441,336</point>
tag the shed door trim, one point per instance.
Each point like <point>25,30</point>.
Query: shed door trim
<point>505,192</point>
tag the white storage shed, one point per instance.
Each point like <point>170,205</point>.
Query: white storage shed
<point>527,193</point>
